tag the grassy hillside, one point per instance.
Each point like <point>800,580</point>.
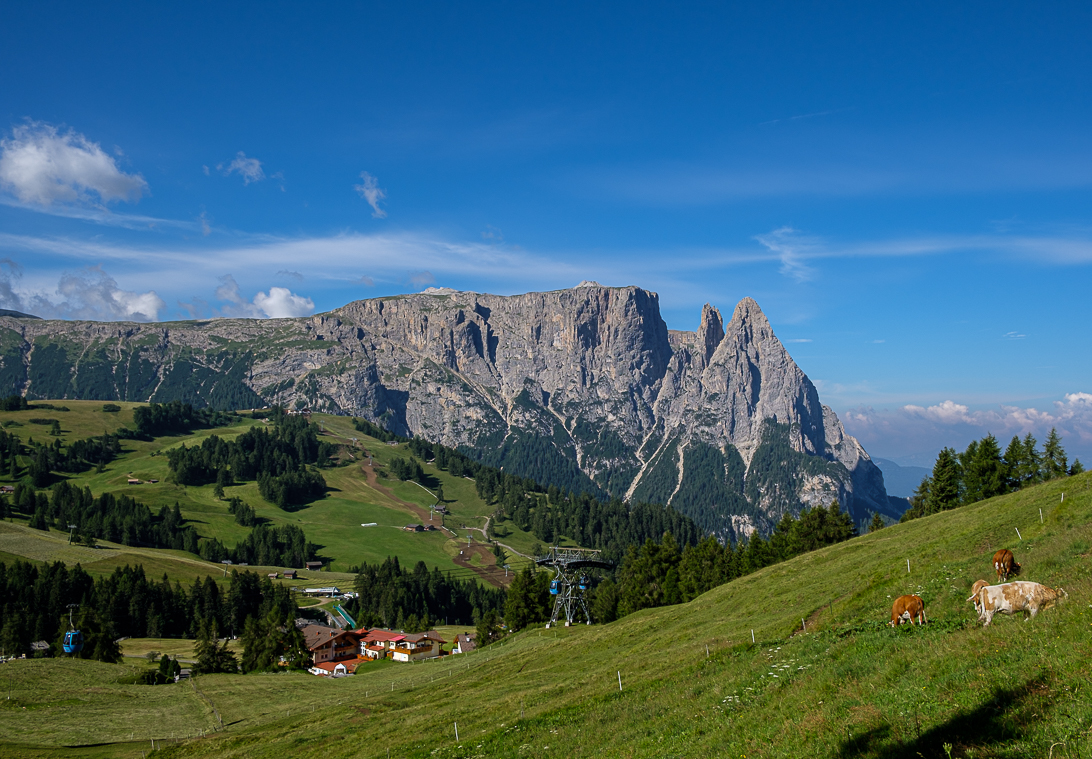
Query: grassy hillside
<point>333,522</point>
<point>826,676</point>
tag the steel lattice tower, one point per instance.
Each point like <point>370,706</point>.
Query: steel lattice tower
<point>569,583</point>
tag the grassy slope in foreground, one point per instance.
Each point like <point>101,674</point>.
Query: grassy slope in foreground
<point>848,687</point>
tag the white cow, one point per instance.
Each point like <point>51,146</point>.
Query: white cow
<point>1015,597</point>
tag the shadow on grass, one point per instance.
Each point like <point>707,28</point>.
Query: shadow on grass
<point>986,728</point>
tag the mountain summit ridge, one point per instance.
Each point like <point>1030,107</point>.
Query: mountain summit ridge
<point>585,388</point>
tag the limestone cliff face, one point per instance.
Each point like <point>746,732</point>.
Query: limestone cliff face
<point>575,386</point>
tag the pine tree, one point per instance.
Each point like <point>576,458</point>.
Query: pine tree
<point>1012,461</point>
<point>984,470</point>
<point>1077,467</point>
<point>488,629</point>
<point>919,501</point>
<point>877,523</point>
<point>945,490</point>
<point>1030,466</point>
<point>212,656</point>
<point>522,608</point>
<point>1054,463</point>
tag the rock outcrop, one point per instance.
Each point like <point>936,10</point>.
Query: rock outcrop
<point>584,388</point>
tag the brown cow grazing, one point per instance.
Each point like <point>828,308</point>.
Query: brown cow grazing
<point>1005,565</point>
<point>908,608</point>
<point>978,585</point>
<point>1028,598</point>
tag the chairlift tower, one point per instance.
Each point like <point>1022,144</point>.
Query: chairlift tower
<point>570,581</point>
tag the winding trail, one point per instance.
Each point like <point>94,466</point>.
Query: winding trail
<point>463,559</point>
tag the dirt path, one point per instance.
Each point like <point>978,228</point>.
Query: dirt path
<point>418,511</point>
<point>493,575</point>
<point>487,574</point>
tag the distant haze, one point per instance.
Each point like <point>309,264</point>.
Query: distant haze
<point>900,481</point>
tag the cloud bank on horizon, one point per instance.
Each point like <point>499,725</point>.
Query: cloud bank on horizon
<point>921,431</point>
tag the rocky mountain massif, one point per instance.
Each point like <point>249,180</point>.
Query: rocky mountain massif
<point>583,388</point>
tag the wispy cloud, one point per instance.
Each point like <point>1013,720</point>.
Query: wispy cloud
<point>250,169</point>
<point>422,278</point>
<point>805,116</point>
<point>792,249</point>
<point>797,340</point>
<point>369,190</point>
<point>40,165</point>
<point>1014,336</point>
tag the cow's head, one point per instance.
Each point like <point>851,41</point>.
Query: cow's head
<point>978,585</point>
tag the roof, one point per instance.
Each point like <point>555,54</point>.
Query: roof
<point>315,636</point>
<point>373,636</point>
<point>430,635</point>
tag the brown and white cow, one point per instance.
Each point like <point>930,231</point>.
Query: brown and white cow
<point>1018,597</point>
<point>978,585</point>
<point>908,608</point>
<point>1004,563</point>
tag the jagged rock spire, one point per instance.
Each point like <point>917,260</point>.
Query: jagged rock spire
<point>711,331</point>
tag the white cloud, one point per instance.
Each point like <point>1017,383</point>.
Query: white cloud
<point>89,294</point>
<point>947,412</point>
<point>282,303</point>
<point>1014,336</point>
<point>42,166</point>
<point>250,169</point>
<point>791,249</point>
<point>278,303</point>
<point>919,432</point>
<point>798,340</point>
<point>369,190</point>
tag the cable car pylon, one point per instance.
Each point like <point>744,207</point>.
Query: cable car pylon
<point>570,581</point>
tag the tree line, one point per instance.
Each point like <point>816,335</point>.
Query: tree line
<point>283,546</point>
<point>983,471</point>
<point>278,459</point>
<point>550,513</point>
<point>44,458</point>
<point>661,573</point>
<point>117,518</point>
<point>415,600</point>
<point>177,418</point>
<point>126,604</point>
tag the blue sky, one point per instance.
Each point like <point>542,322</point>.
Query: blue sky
<point>906,193</point>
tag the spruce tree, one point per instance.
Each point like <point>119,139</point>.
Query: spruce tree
<point>984,474</point>
<point>1055,463</point>
<point>945,490</point>
<point>1031,462</point>
<point>877,523</point>
<point>520,606</point>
